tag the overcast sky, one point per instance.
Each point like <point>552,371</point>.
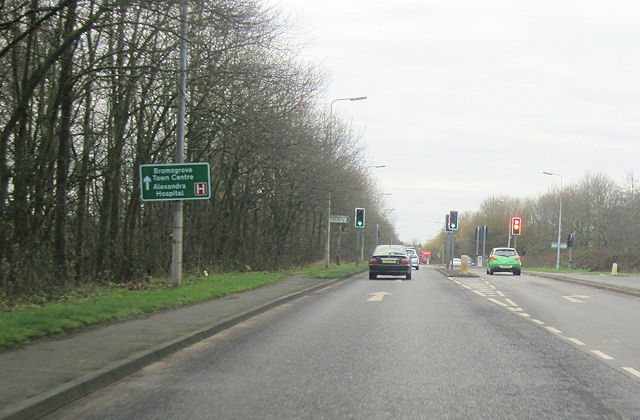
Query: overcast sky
<point>469,99</point>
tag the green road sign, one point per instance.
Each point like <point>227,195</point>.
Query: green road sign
<point>179,181</point>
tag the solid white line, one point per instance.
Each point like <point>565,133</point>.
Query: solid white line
<point>632,371</point>
<point>554,330</point>
<point>479,293</point>
<point>601,354</point>
<point>510,302</point>
<point>576,341</point>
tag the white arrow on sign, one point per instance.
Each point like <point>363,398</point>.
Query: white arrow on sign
<point>576,298</point>
<point>146,181</point>
<point>378,296</point>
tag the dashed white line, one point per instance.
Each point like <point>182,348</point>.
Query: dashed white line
<point>510,302</point>
<point>632,371</point>
<point>575,341</point>
<point>537,321</point>
<point>601,354</point>
<point>479,293</point>
<point>524,314</point>
<point>554,330</point>
<point>500,293</point>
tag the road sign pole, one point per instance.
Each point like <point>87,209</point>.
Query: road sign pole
<point>178,206</point>
<point>326,245</point>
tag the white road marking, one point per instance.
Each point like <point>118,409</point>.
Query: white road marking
<point>632,371</point>
<point>554,330</point>
<point>497,302</point>
<point>378,296</point>
<point>500,293</point>
<point>524,314</point>
<point>479,293</point>
<point>510,302</point>
<point>537,321</point>
<point>601,354</point>
<point>576,298</point>
<point>575,341</point>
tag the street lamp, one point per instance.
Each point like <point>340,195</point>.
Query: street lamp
<point>326,246</point>
<point>559,219</point>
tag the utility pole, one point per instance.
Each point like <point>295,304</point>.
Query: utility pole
<point>178,206</point>
<point>484,245</point>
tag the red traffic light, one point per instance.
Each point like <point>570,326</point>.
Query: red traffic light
<point>516,225</point>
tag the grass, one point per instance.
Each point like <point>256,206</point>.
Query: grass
<point>88,306</point>
<point>562,270</point>
<point>575,271</point>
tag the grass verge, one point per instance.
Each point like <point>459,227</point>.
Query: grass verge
<point>563,270</point>
<point>88,306</point>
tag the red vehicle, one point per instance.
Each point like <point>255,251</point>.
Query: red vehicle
<point>426,257</point>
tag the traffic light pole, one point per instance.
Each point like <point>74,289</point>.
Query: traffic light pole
<point>357,247</point>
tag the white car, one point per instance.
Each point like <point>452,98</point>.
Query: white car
<point>413,257</point>
<point>455,262</point>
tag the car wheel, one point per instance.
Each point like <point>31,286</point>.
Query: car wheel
<point>490,272</point>
<point>418,267</point>
<point>408,276</point>
<point>516,273</point>
<point>373,276</point>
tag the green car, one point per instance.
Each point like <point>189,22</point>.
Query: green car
<point>504,259</point>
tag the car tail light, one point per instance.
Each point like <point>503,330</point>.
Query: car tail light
<point>517,258</point>
<point>405,261</point>
<point>373,261</point>
<point>494,258</point>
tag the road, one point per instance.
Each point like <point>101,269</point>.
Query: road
<point>430,347</point>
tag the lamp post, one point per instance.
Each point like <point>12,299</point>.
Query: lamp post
<point>326,246</point>
<point>559,219</point>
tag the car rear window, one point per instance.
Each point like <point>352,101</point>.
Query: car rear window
<point>506,252</point>
<point>389,250</point>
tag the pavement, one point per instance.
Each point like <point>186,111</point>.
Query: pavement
<point>47,374</point>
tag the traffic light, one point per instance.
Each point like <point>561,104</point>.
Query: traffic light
<point>453,220</point>
<point>570,240</point>
<point>447,227</point>
<point>359,217</point>
<point>516,225</point>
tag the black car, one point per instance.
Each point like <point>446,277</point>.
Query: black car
<point>389,260</point>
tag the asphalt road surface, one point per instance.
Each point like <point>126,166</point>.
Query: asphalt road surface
<point>430,347</point>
